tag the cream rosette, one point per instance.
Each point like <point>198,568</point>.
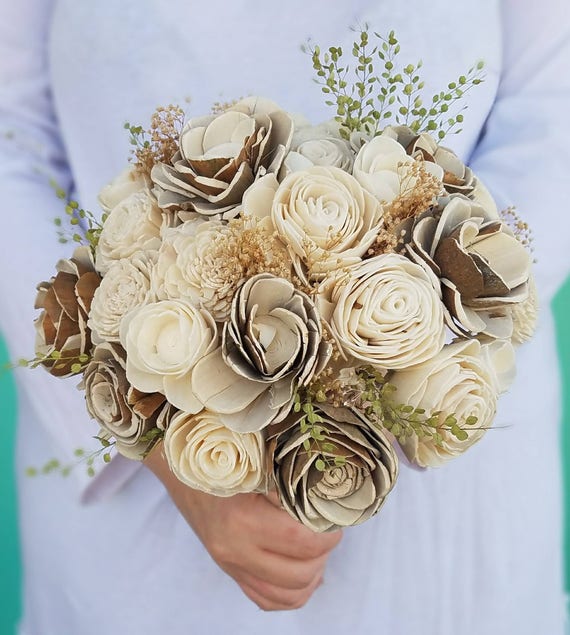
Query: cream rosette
<point>483,268</point>
<point>207,456</point>
<point>326,219</point>
<point>386,312</point>
<point>164,341</point>
<point>382,167</point>
<point>318,145</point>
<point>271,344</point>
<point>221,155</point>
<point>126,183</point>
<point>125,286</point>
<point>463,380</point>
<point>132,225</point>
<point>339,494</point>
<point>111,402</point>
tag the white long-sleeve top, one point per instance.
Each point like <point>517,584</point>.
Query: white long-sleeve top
<point>473,548</point>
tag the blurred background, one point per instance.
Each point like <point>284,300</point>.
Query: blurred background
<point>9,550</point>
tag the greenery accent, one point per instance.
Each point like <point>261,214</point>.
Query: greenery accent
<point>379,405</point>
<point>77,367</point>
<point>311,422</point>
<point>88,458</point>
<point>75,215</point>
<point>377,88</point>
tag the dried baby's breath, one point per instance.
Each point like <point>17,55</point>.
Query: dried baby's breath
<point>159,143</point>
<point>418,193</point>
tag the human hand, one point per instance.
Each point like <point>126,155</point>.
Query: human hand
<point>276,561</point>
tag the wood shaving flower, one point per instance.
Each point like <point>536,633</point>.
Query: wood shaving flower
<point>221,155</point>
<point>387,312</point>
<point>206,455</point>
<point>326,219</point>
<point>125,286</point>
<point>116,406</point>
<point>65,302</point>
<point>164,341</point>
<point>461,381</point>
<point>132,225</point>
<point>339,494</point>
<point>483,268</point>
<point>271,345</point>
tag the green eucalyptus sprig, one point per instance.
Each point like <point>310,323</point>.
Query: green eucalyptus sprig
<point>376,88</point>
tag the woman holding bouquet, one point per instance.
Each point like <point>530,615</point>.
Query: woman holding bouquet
<point>473,548</point>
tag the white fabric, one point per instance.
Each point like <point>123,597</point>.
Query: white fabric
<point>470,549</point>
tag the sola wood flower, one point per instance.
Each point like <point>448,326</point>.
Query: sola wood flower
<point>326,219</point>
<point>342,494</point>
<point>206,455</point>
<point>271,344</point>
<point>318,145</point>
<point>456,176</point>
<point>382,167</point>
<point>125,286</point>
<point>483,268</point>
<point>386,312</point>
<point>121,410</point>
<point>164,341</point>
<point>65,302</point>
<point>132,225</point>
<point>220,156</point>
<point>464,380</point>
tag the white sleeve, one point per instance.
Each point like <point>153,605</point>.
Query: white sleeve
<point>524,152</point>
<point>31,153</point>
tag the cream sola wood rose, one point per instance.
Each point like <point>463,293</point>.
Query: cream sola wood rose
<point>271,344</point>
<point>63,338</point>
<point>132,225</point>
<point>122,411</point>
<point>220,156</point>
<point>164,341</point>
<point>483,268</point>
<point>206,455</point>
<point>464,380</point>
<point>339,481</point>
<point>323,216</point>
<point>318,145</point>
<point>383,168</point>
<point>386,312</point>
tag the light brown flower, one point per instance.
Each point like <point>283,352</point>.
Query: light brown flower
<point>121,411</point>
<point>359,471</point>
<point>65,302</point>
<point>221,155</point>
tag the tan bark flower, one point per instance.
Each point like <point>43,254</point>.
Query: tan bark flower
<point>65,302</point>
<point>221,155</point>
<point>121,411</point>
<point>271,344</point>
<point>483,268</point>
<point>339,493</point>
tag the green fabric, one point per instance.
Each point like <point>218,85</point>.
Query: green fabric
<point>9,550</point>
<point>561,307</point>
